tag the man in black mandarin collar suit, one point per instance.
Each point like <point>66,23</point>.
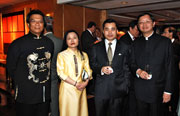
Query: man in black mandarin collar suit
<point>112,81</point>
<point>153,55</point>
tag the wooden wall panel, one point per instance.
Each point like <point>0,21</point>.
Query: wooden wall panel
<point>92,15</point>
<point>58,21</point>
<point>26,27</point>
<point>46,6</point>
<point>73,18</point>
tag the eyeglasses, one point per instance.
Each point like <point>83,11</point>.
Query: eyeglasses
<point>145,22</point>
<point>35,21</point>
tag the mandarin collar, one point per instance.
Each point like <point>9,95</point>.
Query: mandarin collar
<point>147,38</point>
<point>35,36</point>
<point>73,52</point>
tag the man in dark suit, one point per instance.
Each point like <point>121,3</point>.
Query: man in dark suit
<point>170,32</point>
<point>54,104</point>
<point>87,37</point>
<point>132,33</point>
<point>129,108</point>
<point>152,57</point>
<point>109,60</point>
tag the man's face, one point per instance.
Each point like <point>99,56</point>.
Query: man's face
<point>145,24</point>
<point>36,24</point>
<point>134,31</point>
<point>166,33</point>
<point>93,29</point>
<point>110,31</point>
<point>98,33</point>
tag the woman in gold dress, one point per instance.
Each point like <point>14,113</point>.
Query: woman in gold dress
<point>70,65</point>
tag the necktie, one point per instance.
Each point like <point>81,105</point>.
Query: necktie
<point>110,53</point>
<point>76,65</point>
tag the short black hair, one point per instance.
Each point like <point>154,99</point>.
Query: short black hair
<point>110,21</point>
<point>90,24</point>
<point>65,46</point>
<point>35,11</point>
<point>133,23</point>
<point>146,13</point>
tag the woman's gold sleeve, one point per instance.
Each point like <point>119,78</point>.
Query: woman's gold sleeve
<point>61,67</point>
<point>87,66</point>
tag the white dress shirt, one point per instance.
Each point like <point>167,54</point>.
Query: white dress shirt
<point>113,46</point>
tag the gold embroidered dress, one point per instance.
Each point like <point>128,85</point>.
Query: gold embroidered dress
<point>72,102</point>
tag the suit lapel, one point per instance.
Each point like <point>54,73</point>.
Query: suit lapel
<point>94,39</point>
<point>104,53</point>
<point>116,53</point>
<point>129,39</point>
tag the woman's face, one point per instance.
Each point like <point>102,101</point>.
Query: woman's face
<point>72,40</point>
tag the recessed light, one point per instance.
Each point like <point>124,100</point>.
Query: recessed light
<point>48,14</point>
<point>124,2</point>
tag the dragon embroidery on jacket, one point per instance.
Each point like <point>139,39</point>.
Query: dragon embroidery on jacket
<point>36,64</point>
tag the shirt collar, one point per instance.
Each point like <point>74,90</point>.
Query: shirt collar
<point>73,52</point>
<point>113,42</point>
<point>132,37</point>
<point>89,31</point>
<point>147,38</point>
<point>172,40</point>
<point>47,33</point>
<point>35,36</point>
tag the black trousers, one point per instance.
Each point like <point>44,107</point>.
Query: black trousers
<point>40,109</point>
<point>132,109</point>
<point>150,109</point>
<point>108,107</point>
<point>129,104</point>
<point>174,100</point>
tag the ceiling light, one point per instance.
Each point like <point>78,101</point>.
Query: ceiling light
<point>124,2</point>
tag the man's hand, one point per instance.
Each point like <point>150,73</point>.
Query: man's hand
<point>143,74</point>
<point>107,70</point>
<point>166,97</point>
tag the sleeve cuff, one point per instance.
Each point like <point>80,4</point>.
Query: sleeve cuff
<point>102,72</point>
<point>137,75</point>
<point>167,93</point>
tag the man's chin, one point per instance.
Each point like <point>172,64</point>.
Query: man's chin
<point>111,39</point>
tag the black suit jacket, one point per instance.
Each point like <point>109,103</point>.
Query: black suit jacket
<point>126,39</point>
<point>157,52</point>
<point>176,55</point>
<point>87,41</point>
<point>116,84</point>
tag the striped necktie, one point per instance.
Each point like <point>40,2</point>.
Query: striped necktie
<point>76,65</point>
<point>110,53</point>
